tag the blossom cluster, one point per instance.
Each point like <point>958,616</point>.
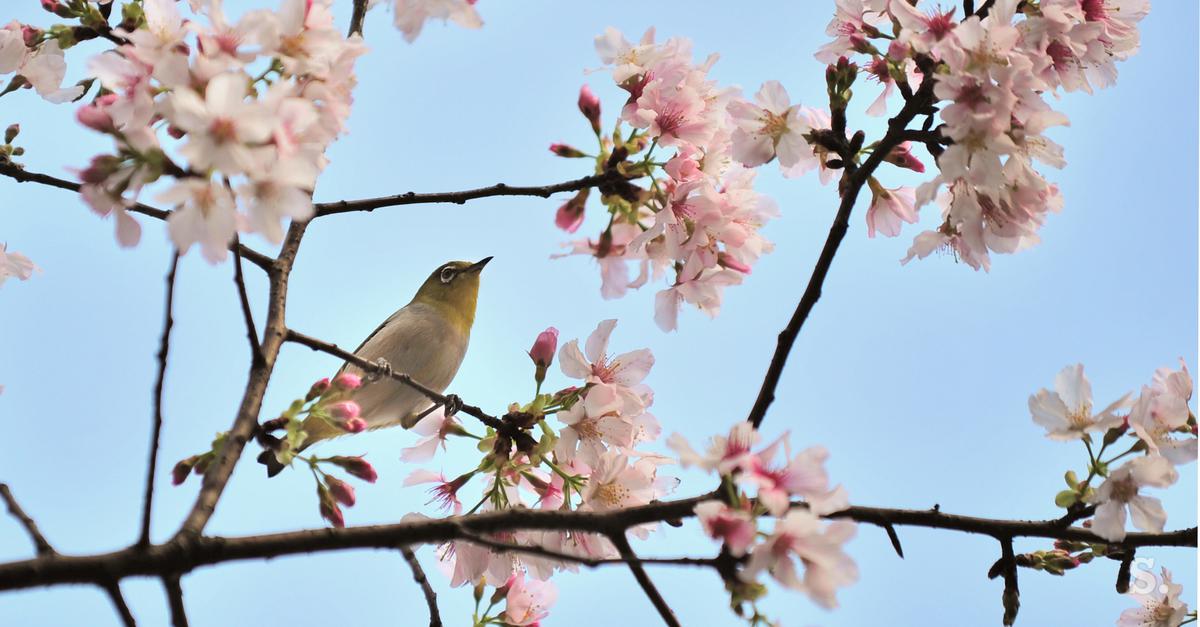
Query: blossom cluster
<point>14,264</point>
<point>1163,432</point>
<point>699,221</point>
<point>798,538</point>
<point>252,105</point>
<point>993,73</point>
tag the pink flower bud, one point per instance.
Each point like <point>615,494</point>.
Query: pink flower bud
<point>101,167</point>
<point>31,35</point>
<point>355,425</point>
<point>544,347</point>
<point>317,390</point>
<point>902,156</point>
<point>356,466</point>
<point>345,410</point>
<point>180,472</point>
<point>727,261</point>
<point>589,106</point>
<point>329,508</point>
<point>175,132</point>
<point>95,118</point>
<point>570,215</point>
<point>569,152</point>
<point>897,50</point>
<point>347,382</point>
<point>342,492</point>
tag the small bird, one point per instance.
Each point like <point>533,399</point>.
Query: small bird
<point>427,339</point>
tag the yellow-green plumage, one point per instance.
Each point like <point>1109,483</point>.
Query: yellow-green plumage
<point>427,339</point>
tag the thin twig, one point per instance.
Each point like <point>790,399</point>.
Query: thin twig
<point>113,589</point>
<point>500,189</point>
<point>174,593</point>
<point>435,617</point>
<point>1011,597</point>
<point>856,178</point>
<point>40,543</point>
<point>643,579</point>
<point>239,279</point>
<point>164,348</point>
<point>22,175</point>
<point>373,368</point>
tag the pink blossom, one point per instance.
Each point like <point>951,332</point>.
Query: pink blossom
<point>903,157</point>
<point>344,410</point>
<point>528,601</point>
<point>594,365</point>
<point>445,493</point>
<point>222,126</point>
<point>347,382</point>
<point>723,455</point>
<point>770,127</point>
<point>355,425</point>
<point>1161,606</point>
<point>803,475</point>
<point>544,346</point>
<point>889,208</point>
<point>1161,413</point>
<point>411,15</point>
<point>1066,413</point>
<point>735,527</point>
<point>1121,491</point>
<point>342,492</point>
<point>436,427</point>
<point>204,214</point>
<point>14,264</point>
<point>818,548</point>
<point>570,214</point>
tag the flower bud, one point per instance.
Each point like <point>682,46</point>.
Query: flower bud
<point>347,382</point>
<point>902,156</point>
<point>589,106</point>
<point>726,261</point>
<point>11,133</point>
<point>542,352</point>
<point>101,167</point>
<point>342,492</point>
<point>356,466</point>
<point>355,425</point>
<point>897,50</point>
<point>329,508</point>
<point>317,390</point>
<point>95,118</point>
<point>570,215</point>
<point>345,410</point>
<point>569,152</point>
<point>180,472</point>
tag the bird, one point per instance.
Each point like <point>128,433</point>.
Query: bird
<point>426,339</point>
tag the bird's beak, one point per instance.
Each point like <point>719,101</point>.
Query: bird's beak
<point>478,265</point>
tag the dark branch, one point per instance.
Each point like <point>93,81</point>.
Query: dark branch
<point>118,600</point>
<point>185,553</point>
<point>853,182</point>
<point>435,617</point>
<point>643,579</point>
<point>251,331</point>
<point>1011,597</point>
<point>21,175</point>
<point>500,189</point>
<point>39,541</point>
<point>175,600</point>
<point>356,18</point>
<point>590,562</point>
<point>374,369</point>
<point>164,348</point>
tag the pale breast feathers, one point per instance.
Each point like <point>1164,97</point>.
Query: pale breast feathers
<point>415,340</point>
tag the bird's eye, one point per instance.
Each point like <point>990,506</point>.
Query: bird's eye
<point>447,274</point>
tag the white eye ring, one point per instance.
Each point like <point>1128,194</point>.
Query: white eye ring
<point>447,275</point>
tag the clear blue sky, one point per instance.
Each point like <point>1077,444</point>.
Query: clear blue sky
<point>915,377</point>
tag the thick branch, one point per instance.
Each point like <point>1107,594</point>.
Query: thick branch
<point>218,473</point>
<point>435,617</point>
<point>500,189</point>
<point>356,18</point>
<point>39,541</point>
<point>854,180</point>
<point>164,348</point>
<point>23,176</point>
<point>181,556</point>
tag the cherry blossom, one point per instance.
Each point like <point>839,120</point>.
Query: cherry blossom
<point>1121,491</point>
<point>411,15</point>
<point>890,207</point>
<point>724,454</point>
<point>1160,416</point>
<point>14,264</point>
<point>818,547</point>
<point>1066,413</point>
<point>528,600</point>
<point>769,127</point>
<point>204,215</point>
<point>1161,606</point>
<point>435,428</point>
<point>735,527</point>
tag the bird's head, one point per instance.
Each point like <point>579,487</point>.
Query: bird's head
<point>453,288</point>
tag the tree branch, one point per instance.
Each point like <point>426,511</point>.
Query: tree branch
<point>175,600</point>
<point>251,331</point>
<point>643,579</point>
<point>22,175</point>
<point>185,553</point>
<point>244,425</point>
<point>113,589</point>
<point>373,368</point>
<point>854,180</point>
<point>40,543</point>
<point>590,562</point>
<point>356,18</point>
<point>435,617</point>
<point>164,348</point>
<point>500,189</point>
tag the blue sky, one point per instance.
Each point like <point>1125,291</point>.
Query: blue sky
<point>915,377</point>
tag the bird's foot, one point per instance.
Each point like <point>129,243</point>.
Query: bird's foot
<point>452,405</point>
<point>383,370</point>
